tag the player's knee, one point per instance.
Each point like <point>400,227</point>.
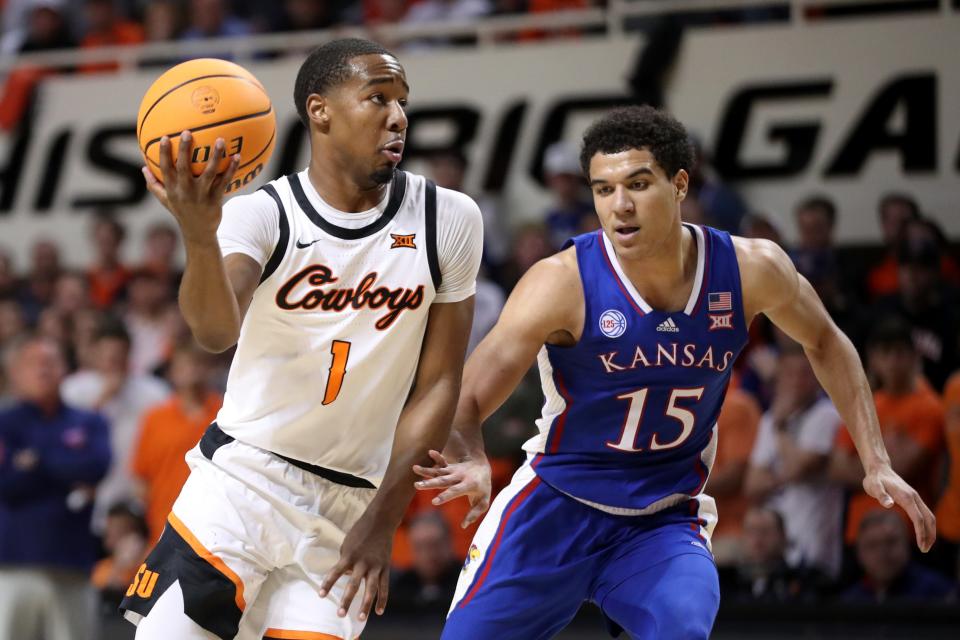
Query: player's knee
<point>688,611</point>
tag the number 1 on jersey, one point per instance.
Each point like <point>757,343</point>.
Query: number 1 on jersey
<point>338,368</point>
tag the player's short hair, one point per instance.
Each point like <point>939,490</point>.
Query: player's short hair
<point>898,197</point>
<point>328,66</point>
<point>878,516</point>
<point>891,332</point>
<point>639,128</point>
<point>822,204</point>
<point>112,328</point>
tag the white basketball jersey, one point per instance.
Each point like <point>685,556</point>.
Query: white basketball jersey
<point>329,347</point>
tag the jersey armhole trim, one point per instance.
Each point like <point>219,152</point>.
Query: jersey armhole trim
<point>431,230</point>
<point>282,241</point>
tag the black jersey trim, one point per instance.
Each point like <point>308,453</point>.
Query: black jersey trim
<point>282,241</point>
<point>431,229</point>
<point>397,192</point>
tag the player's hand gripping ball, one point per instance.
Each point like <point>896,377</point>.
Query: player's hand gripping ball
<point>212,99</point>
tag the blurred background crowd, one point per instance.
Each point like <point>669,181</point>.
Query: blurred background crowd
<point>103,391</point>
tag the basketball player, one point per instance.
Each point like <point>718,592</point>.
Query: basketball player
<point>348,291</point>
<point>635,328</point>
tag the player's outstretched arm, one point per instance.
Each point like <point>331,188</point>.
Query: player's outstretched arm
<point>424,424</point>
<point>545,306</point>
<point>772,286</point>
<point>214,292</point>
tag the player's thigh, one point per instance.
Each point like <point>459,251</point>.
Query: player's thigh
<point>167,620</point>
<point>526,574</point>
<point>289,606</point>
<point>216,547</point>
<point>673,599</point>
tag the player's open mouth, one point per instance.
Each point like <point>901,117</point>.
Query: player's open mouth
<point>393,150</point>
<point>626,232</point>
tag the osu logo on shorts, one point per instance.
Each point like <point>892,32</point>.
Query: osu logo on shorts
<point>613,323</point>
<point>143,582</point>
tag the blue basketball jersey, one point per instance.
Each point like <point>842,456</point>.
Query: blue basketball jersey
<point>629,421</point>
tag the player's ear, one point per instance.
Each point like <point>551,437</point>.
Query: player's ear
<point>318,111</point>
<point>681,181</point>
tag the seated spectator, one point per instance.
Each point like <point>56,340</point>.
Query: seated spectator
<point>926,302</point>
<point>722,206</point>
<point>762,573</point>
<point>172,428</point>
<point>36,290</point>
<point>737,428</point>
<point>911,416</point>
<point>571,200</point>
<point>123,398</point>
<point>428,585</point>
<point>894,210</point>
<point>948,509</point>
<point>125,541</point>
<point>306,15</point>
<point>213,19</point>
<point>159,254</point>
<point>883,551</point>
<point>105,27</point>
<point>51,458</point>
<point>448,168</point>
<point>788,461</point>
<point>108,275</point>
<point>149,321</point>
<point>531,243</point>
<point>12,322</point>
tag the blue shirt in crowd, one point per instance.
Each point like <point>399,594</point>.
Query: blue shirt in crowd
<point>37,525</point>
<point>915,583</point>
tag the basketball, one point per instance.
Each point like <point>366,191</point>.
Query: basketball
<point>212,99</point>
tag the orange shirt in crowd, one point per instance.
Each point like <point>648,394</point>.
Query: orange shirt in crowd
<point>106,285</point>
<point>919,416</point>
<point>166,435</point>
<point>948,510</point>
<point>737,428</point>
<point>884,279</point>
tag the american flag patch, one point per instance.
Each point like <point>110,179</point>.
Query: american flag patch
<point>720,301</point>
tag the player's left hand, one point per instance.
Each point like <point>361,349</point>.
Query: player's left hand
<point>888,489</point>
<point>470,477</point>
<point>364,555</point>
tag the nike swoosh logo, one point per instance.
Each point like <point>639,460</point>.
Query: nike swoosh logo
<point>301,245</point>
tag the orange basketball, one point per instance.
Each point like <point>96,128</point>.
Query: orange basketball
<point>212,99</point>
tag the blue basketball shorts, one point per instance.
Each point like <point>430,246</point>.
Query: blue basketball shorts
<point>540,554</point>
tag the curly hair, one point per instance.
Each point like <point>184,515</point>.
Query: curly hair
<point>328,66</point>
<point>639,128</point>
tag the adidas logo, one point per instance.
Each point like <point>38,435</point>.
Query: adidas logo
<point>669,326</point>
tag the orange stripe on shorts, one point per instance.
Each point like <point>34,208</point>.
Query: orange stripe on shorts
<point>287,634</point>
<point>217,563</point>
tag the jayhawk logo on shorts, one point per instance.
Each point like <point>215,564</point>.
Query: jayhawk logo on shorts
<point>473,554</point>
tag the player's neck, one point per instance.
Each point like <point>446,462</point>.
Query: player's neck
<point>337,188</point>
<point>664,278</point>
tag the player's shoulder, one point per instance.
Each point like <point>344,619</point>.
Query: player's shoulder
<point>260,201</point>
<point>558,272</point>
<point>456,203</point>
<point>763,264</point>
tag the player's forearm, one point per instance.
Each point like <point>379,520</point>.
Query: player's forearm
<point>838,368</point>
<point>207,300</point>
<point>424,425</point>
